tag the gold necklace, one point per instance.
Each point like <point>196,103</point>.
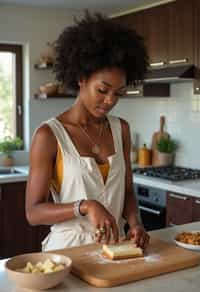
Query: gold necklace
<point>95,148</point>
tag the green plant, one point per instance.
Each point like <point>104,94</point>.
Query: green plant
<point>166,145</point>
<point>9,145</point>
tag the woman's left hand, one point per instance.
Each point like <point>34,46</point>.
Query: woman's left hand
<point>138,234</point>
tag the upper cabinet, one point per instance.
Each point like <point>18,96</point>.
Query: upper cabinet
<point>181,32</point>
<point>171,33</point>
<point>136,21</point>
<point>133,21</point>
<point>156,34</point>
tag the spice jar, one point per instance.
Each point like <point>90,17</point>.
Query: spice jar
<point>144,156</point>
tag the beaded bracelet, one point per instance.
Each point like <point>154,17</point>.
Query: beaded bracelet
<point>76,208</point>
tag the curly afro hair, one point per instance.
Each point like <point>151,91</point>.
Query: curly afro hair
<point>96,43</point>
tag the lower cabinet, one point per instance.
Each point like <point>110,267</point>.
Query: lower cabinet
<point>182,209</point>
<point>17,236</point>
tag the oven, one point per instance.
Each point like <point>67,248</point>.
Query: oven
<point>152,206</point>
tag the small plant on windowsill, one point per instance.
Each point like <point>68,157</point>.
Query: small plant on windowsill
<point>166,148</point>
<point>7,146</point>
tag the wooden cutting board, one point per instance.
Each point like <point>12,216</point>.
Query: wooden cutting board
<point>155,138</point>
<point>161,257</point>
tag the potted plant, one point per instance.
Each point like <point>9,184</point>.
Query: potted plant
<point>166,148</point>
<point>7,146</point>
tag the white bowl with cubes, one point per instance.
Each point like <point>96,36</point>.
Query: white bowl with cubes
<point>38,270</point>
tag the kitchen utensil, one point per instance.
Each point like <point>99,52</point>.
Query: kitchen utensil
<point>155,138</point>
<point>161,257</point>
<point>37,280</point>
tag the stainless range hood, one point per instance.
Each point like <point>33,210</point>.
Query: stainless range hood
<point>172,74</point>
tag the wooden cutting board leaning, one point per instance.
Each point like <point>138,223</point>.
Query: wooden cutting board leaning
<point>155,138</point>
<point>161,257</point>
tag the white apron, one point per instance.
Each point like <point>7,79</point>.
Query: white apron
<point>82,179</point>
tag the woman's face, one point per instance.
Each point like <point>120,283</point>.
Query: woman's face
<point>102,90</point>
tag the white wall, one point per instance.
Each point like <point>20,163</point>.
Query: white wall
<point>182,112</point>
<point>34,27</point>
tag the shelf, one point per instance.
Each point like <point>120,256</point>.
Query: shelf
<point>43,66</point>
<point>56,96</point>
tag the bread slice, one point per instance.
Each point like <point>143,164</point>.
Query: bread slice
<point>121,251</point>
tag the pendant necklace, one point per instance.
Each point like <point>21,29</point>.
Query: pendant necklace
<point>95,148</point>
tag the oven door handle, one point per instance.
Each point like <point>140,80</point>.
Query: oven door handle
<point>150,210</point>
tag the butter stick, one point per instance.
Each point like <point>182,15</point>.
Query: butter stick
<point>121,251</point>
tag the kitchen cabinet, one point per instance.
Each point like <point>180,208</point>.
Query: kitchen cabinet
<point>135,21</point>
<point>168,31</point>
<point>181,32</point>
<point>152,24</point>
<point>196,209</point>
<point>156,34</point>
<point>182,209</point>
<point>132,20</point>
<point>17,236</point>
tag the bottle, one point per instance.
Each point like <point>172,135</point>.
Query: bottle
<point>144,156</point>
<point>133,154</point>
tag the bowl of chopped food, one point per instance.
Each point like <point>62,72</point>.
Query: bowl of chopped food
<point>38,270</point>
<point>189,240</point>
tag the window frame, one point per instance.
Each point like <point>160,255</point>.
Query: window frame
<point>17,50</point>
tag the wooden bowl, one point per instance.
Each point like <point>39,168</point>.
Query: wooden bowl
<point>37,280</point>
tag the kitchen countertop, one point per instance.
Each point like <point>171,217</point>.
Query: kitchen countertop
<point>184,280</point>
<point>186,187</point>
<point>15,177</point>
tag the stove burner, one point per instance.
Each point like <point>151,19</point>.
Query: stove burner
<point>172,173</point>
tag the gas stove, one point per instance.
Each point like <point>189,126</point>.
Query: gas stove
<point>171,173</point>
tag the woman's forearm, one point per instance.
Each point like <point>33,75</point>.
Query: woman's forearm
<point>47,213</point>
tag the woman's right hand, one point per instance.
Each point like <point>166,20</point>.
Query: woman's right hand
<point>101,220</point>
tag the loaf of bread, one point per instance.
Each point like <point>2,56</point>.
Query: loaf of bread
<point>121,251</point>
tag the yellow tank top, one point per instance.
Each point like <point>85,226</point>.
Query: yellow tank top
<point>58,171</point>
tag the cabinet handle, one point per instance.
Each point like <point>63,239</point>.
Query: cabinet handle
<point>185,60</point>
<point>133,92</point>
<point>1,197</point>
<point>162,63</point>
<point>178,197</point>
<point>197,88</point>
<point>197,201</point>
<point>149,210</point>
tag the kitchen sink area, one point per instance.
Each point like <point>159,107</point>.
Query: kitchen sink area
<point>9,171</point>
<point>14,173</point>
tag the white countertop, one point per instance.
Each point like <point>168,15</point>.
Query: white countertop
<point>15,177</point>
<point>187,280</point>
<point>187,187</point>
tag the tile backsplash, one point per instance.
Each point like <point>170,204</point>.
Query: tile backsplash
<point>182,115</point>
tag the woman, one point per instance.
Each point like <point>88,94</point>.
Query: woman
<point>83,155</point>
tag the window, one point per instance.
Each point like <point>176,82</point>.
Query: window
<point>11,91</point>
